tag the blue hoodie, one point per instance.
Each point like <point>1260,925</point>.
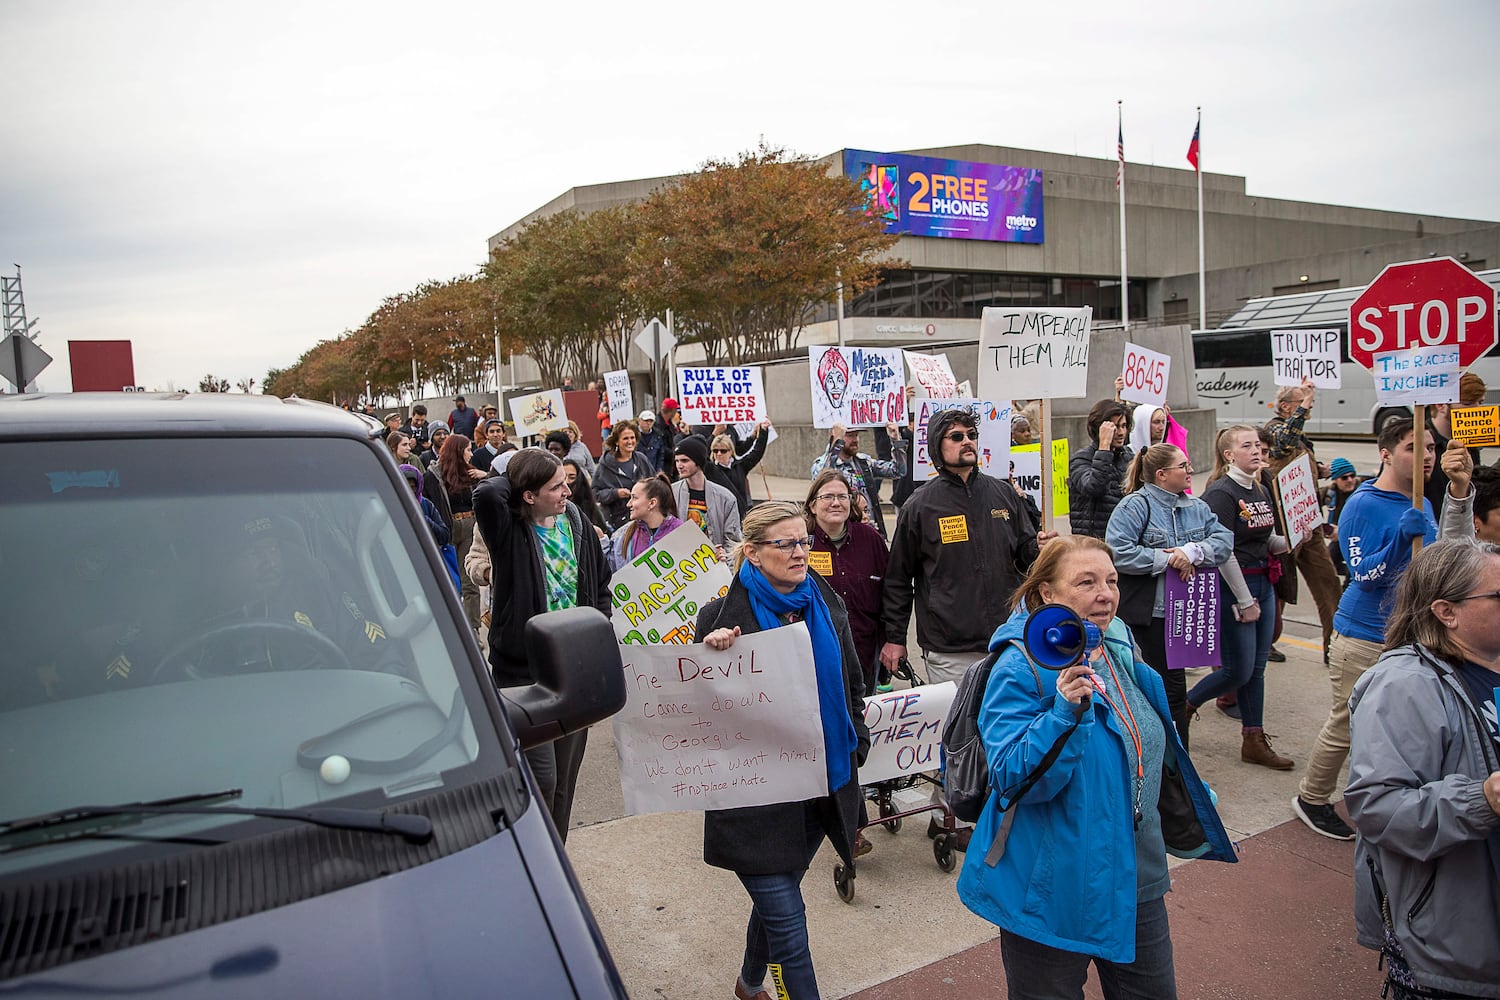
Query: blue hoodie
<point>1375,532</point>
<point>1067,878</point>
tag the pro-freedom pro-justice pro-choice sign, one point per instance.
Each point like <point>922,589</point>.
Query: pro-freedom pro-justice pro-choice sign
<point>656,595</point>
<point>721,395</point>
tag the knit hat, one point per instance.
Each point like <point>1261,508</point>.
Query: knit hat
<point>1340,467</point>
<point>695,448</point>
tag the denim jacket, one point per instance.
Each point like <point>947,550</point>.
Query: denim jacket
<point>1149,521</point>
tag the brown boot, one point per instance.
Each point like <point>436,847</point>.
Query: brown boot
<point>1256,749</point>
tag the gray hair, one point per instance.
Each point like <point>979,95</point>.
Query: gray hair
<point>1443,571</point>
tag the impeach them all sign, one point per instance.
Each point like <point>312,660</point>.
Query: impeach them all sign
<point>656,595</point>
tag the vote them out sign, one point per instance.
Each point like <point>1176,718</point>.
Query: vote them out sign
<point>1423,303</point>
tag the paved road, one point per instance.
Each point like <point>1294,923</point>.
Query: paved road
<point>1277,924</point>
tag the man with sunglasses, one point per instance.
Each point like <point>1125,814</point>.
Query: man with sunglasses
<point>1375,534</point>
<point>863,472</point>
<point>962,544</point>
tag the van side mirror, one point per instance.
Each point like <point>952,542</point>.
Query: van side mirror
<point>580,678</point>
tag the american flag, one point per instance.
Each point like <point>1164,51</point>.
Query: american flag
<point>1120,151</point>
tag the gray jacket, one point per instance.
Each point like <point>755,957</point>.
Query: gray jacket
<point>1419,752</point>
<point>723,525</point>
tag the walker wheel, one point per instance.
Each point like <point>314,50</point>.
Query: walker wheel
<point>943,853</point>
<point>886,808</point>
<point>843,881</point>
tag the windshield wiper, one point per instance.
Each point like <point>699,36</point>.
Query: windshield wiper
<point>414,829</point>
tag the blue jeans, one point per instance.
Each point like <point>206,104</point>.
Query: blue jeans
<point>1246,646</point>
<point>1036,971</point>
<point>776,938</point>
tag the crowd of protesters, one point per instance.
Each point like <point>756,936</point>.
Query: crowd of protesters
<point>543,528</point>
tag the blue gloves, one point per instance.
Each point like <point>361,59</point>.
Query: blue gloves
<point>1413,523</point>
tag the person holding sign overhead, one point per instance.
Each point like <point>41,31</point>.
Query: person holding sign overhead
<point>1095,790</point>
<point>769,847</point>
<point>1160,525</point>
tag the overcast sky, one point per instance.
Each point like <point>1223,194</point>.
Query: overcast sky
<point>226,185</point>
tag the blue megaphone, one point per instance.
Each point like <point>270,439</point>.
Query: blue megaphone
<point>1056,637</point>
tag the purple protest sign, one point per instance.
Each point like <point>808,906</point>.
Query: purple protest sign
<point>1191,611</point>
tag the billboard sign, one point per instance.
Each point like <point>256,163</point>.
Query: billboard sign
<point>957,199</point>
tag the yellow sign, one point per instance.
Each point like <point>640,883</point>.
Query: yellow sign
<point>953,529</point>
<point>1026,473</point>
<point>1476,426</point>
<point>820,563</point>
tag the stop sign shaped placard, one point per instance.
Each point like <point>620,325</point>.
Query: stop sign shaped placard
<point>1423,303</point>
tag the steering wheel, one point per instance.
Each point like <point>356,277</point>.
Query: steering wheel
<point>190,671</point>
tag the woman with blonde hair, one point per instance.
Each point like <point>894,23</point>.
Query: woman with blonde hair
<point>1091,790</point>
<point>1424,780</point>
<point>1159,525</point>
<point>769,847</point>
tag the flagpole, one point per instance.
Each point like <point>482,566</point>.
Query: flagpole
<point>1202,294</point>
<point>1120,183</point>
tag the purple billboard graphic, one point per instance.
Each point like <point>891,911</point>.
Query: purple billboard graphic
<point>925,196</point>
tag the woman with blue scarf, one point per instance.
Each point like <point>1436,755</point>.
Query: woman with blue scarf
<point>769,847</point>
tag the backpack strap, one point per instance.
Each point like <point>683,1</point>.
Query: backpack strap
<point>1008,814</point>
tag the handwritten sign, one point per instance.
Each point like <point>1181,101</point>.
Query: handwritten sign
<point>1145,375</point>
<point>906,731</point>
<point>539,413</point>
<point>721,395</point>
<point>1297,486</point>
<point>1041,353</point>
<point>1191,611</point>
<point>617,388</point>
<point>1026,473</point>
<point>1314,354</point>
<point>994,435</point>
<point>856,387</point>
<point>1476,426</point>
<point>1417,375</point>
<point>720,730</point>
<point>656,596</point>
<point>931,375</point>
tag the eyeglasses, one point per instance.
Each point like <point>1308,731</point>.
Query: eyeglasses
<point>1348,475</point>
<point>958,437</point>
<point>1474,597</point>
<point>721,451</point>
<point>1188,466</point>
<point>832,497</point>
<point>783,544</point>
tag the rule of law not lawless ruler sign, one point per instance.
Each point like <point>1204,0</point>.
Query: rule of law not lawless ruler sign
<point>728,395</point>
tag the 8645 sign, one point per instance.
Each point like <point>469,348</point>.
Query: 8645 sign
<point>1145,374</point>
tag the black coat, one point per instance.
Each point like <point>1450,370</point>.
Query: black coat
<point>1096,482</point>
<point>516,575</point>
<point>766,840</point>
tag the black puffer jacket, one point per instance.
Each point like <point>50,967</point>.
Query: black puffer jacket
<point>1096,482</point>
<point>960,549</point>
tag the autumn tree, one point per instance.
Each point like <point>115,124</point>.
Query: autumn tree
<point>210,383</point>
<point>745,252</point>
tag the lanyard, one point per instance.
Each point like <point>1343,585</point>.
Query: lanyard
<point>1132,728</point>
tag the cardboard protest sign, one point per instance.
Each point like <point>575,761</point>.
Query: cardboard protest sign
<point>1026,473</point>
<point>747,430</point>
<point>720,730</point>
<point>1297,488</point>
<point>1034,353</point>
<point>1416,375</point>
<point>931,375</point>
<point>656,596</point>
<point>617,388</point>
<point>1476,426</point>
<point>994,435</point>
<point>721,395</point>
<point>1145,375</point>
<point>1314,354</point>
<point>856,387</point>
<point>1191,610</point>
<point>539,413</point>
<point>906,731</point>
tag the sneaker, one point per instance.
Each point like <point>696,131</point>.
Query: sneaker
<point>1323,820</point>
<point>882,689</point>
<point>1276,655</point>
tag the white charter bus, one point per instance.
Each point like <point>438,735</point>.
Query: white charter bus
<point>1232,365</point>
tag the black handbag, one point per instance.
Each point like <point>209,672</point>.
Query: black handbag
<point>1137,590</point>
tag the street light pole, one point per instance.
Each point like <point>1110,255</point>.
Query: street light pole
<point>841,308</point>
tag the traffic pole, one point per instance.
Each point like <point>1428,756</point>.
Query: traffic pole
<point>1419,461</point>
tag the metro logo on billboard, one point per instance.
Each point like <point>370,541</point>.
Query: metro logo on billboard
<point>1424,303</point>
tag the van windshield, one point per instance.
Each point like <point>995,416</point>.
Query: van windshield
<point>189,615</point>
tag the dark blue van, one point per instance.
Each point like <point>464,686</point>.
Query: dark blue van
<point>248,745</point>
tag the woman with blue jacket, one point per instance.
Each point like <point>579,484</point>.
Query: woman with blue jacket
<point>1159,525</point>
<point>1070,860</point>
